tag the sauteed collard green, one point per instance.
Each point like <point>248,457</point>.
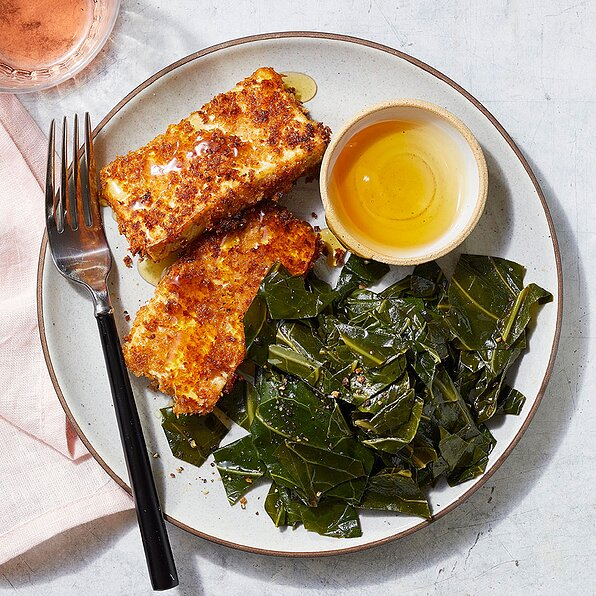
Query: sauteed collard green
<point>363,400</point>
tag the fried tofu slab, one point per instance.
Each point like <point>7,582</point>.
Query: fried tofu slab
<point>245,145</point>
<point>189,338</point>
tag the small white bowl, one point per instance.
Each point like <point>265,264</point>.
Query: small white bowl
<point>472,198</point>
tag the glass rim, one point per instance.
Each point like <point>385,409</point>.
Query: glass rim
<point>50,76</point>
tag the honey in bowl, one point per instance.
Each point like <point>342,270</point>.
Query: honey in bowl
<point>397,184</point>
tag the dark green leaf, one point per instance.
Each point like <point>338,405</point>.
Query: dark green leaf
<point>333,379</point>
<point>398,289</point>
<point>394,417</point>
<point>395,422</point>
<point>361,307</point>
<point>372,347</point>
<point>394,490</point>
<point>239,404</point>
<point>281,508</point>
<point>300,338</point>
<point>359,273</point>
<point>374,404</point>
<point>521,311</point>
<point>239,467</point>
<point>488,303</point>
<point>367,382</point>
<point>511,401</point>
<point>485,404</point>
<point>294,363</point>
<point>325,293</point>
<point>481,376</point>
<point>419,452</point>
<point>427,281</point>
<point>259,332</point>
<point>448,408</point>
<point>311,471</point>
<point>481,293</point>
<point>287,296</point>
<point>192,438</point>
<point>291,410</point>
<point>386,433</point>
<point>466,453</point>
<point>455,449</point>
<point>333,518</point>
<point>351,491</point>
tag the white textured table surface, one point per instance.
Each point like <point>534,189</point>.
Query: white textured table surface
<point>532,527</point>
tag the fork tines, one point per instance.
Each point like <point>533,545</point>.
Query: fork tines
<point>72,209</point>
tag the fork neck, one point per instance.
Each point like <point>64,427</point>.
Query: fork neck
<point>101,303</point>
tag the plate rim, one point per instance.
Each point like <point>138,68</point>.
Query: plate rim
<point>478,105</point>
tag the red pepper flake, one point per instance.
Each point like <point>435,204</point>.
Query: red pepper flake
<point>127,261</point>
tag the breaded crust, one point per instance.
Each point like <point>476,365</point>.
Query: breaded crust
<point>189,338</point>
<point>250,143</point>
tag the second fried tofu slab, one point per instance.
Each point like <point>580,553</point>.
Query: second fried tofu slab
<point>189,338</point>
<point>245,145</point>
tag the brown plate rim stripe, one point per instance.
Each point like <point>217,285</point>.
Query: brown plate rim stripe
<point>377,46</point>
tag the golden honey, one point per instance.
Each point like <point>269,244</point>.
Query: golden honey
<point>333,248</point>
<point>152,271</point>
<point>305,87</point>
<point>397,184</point>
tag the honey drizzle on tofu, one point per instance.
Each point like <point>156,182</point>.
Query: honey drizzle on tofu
<point>245,145</point>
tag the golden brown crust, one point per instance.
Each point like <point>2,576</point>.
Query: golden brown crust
<point>189,338</point>
<point>247,144</point>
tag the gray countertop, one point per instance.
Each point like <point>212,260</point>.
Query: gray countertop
<point>531,528</point>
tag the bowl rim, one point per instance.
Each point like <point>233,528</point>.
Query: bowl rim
<point>334,222</point>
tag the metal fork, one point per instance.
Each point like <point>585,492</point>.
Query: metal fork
<point>81,253</point>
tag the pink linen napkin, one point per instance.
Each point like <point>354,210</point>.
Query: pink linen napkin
<point>49,482</point>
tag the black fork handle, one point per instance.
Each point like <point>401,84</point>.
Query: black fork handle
<point>162,569</point>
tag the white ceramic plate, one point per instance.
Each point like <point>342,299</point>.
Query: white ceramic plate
<point>350,74</point>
